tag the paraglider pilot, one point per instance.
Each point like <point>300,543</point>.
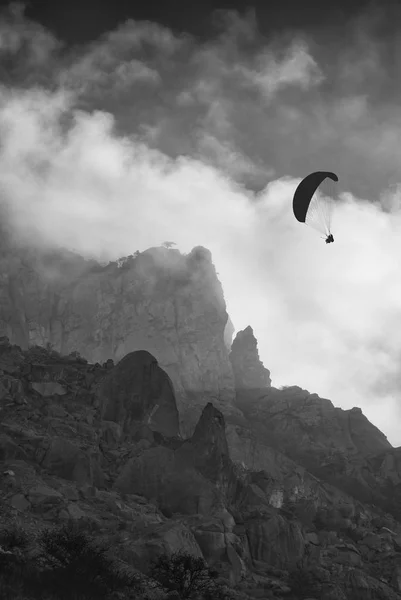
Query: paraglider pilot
<point>314,209</point>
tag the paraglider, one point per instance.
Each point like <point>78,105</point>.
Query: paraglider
<point>313,202</point>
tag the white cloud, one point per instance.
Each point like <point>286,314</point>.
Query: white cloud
<point>326,316</point>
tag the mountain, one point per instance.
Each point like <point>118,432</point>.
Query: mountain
<point>160,301</point>
<point>124,408</point>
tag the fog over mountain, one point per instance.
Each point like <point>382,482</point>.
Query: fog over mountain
<point>145,135</point>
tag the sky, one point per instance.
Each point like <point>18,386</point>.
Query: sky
<point>123,130</point>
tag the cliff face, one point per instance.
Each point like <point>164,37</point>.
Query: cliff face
<point>304,425</point>
<point>159,301</point>
<point>290,424</point>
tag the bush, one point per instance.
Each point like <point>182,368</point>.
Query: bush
<point>60,564</point>
<point>16,566</point>
<point>71,566</point>
<point>185,574</point>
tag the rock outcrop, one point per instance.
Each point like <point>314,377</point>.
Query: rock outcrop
<point>250,375</point>
<point>136,391</point>
<point>304,425</point>
<point>161,301</point>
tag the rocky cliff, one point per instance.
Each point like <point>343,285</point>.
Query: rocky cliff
<point>161,301</point>
<point>250,375</point>
<point>183,443</point>
<point>339,446</point>
<point>99,445</point>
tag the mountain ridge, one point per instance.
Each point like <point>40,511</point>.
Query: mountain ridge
<point>188,447</point>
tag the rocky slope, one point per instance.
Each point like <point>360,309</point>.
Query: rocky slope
<point>183,444</point>
<point>100,444</point>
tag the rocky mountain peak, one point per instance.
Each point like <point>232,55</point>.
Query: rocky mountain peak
<point>209,434</point>
<point>249,371</point>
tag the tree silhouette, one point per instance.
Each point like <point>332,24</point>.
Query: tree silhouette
<point>184,573</point>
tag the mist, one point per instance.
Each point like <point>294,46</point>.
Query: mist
<point>144,136</point>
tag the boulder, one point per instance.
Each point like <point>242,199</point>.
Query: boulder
<point>138,390</point>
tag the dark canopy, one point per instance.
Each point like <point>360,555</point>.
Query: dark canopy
<point>305,190</point>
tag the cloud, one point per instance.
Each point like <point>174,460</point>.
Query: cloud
<point>107,174</point>
<point>297,67</point>
<point>26,47</point>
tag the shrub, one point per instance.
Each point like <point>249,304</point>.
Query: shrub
<point>72,566</point>
<point>15,563</point>
<point>185,574</point>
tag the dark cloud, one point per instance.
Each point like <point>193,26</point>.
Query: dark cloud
<point>144,135</point>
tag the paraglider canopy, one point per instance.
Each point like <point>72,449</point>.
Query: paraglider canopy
<point>312,202</point>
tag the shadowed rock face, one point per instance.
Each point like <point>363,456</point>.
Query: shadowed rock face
<point>208,446</point>
<point>138,390</point>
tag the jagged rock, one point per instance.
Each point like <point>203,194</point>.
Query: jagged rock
<point>208,446</point>
<point>317,424</point>
<point>138,390</point>
<point>193,478</point>
<point>251,377</point>
<point>164,302</point>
